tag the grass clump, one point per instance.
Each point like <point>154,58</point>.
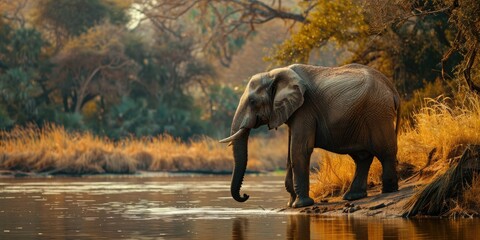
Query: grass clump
<point>447,193</point>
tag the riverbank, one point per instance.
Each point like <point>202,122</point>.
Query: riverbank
<point>386,205</point>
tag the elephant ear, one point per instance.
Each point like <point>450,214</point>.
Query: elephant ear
<point>287,95</point>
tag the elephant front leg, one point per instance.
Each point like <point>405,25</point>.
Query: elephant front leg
<point>301,169</point>
<point>289,176</point>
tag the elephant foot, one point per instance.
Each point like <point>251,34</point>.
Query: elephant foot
<point>388,187</point>
<point>303,202</point>
<point>350,196</point>
<point>291,201</point>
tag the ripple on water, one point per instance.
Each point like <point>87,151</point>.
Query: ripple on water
<point>193,213</point>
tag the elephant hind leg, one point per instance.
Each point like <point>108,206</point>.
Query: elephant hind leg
<point>389,173</point>
<point>358,188</point>
<point>385,149</point>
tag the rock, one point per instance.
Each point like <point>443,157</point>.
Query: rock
<point>381,205</point>
<point>349,204</point>
<point>373,213</point>
<point>351,209</point>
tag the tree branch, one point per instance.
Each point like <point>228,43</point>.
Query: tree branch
<point>468,66</point>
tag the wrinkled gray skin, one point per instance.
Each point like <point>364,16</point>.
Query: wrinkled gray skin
<point>346,110</point>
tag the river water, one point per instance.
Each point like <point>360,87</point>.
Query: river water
<point>156,206</point>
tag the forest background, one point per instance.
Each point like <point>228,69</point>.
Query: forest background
<point>144,67</point>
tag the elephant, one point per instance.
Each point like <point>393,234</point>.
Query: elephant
<point>351,109</point>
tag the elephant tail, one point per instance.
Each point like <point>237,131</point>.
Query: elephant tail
<point>396,100</point>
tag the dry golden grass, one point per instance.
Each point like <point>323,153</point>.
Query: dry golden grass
<point>442,124</point>
<point>443,127</point>
<point>452,193</point>
<point>335,173</point>
<point>53,150</point>
<point>471,197</point>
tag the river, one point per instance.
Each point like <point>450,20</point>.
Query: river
<point>160,206</point>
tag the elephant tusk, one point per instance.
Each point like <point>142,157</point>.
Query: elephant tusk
<point>234,136</point>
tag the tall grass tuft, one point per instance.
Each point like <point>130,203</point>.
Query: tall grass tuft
<point>443,194</point>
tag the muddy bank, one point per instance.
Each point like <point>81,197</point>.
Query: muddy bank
<point>378,204</point>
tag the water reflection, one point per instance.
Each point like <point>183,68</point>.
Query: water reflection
<point>186,208</point>
<point>324,227</point>
<point>298,227</point>
<point>239,228</point>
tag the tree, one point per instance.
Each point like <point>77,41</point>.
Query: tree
<point>93,64</point>
<point>64,19</point>
<point>22,75</point>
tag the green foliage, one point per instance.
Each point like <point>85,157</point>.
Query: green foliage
<point>135,117</point>
<point>130,117</point>
<point>223,101</point>
<point>5,120</point>
<point>70,121</point>
<point>178,116</point>
<point>20,83</point>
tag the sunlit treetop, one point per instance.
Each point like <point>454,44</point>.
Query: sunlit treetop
<point>335,21</point>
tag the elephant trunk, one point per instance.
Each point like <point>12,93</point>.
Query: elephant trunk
<point>240,155</point>
<point>243,120</point>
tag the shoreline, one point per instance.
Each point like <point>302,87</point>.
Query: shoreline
<point>21,174</point>
<point>376,204</point>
